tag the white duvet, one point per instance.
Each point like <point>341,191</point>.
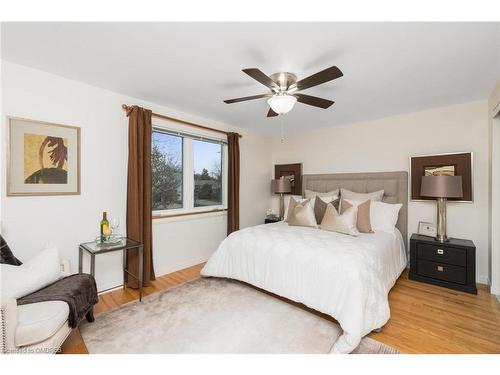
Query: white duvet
<point>346,277</point>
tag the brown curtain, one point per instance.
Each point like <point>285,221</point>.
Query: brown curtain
<point>233,196</point>
<point>139,190</point>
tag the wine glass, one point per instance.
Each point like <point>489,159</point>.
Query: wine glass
<point>115,223</point>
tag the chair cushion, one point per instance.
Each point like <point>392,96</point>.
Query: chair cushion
<point>41,270</point>
<point>37,322</point>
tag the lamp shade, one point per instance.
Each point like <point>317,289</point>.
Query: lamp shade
<point>282,104</point>
<point>282,185</point>
<point>441,187</point>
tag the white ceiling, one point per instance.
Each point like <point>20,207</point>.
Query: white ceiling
<point>389,68</point>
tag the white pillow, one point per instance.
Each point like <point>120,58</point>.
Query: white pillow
<point>384,216</point>
<point>286,200</point>
<point>375,196</point>
<point>41,270</point>
<point>324,199</point>
<point>312,194</point>
<point>327,197</point>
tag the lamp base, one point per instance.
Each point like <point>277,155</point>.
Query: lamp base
<point>282,206</point>
<point>442,238</point>
<point>441,220</point>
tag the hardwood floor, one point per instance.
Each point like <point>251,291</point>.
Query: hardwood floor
<point>424,318</point>
<point>431,319</point>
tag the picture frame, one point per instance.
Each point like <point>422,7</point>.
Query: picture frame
<point>292,171</point>
<point>427,229</point>
<point>451,164</point>
<point>43,158</point>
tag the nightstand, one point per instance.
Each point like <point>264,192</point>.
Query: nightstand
<point>271,220</point>
<point>449,264</point>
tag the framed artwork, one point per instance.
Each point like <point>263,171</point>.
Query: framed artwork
<point>427,229</point>
<point>292,171</point>
<point>455,164</point>
<point>42,158</point>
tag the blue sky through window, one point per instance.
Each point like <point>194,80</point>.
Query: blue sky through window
<point>206,155</point>
<point>170,145</point>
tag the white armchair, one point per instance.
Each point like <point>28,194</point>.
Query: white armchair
<point>34,328</point>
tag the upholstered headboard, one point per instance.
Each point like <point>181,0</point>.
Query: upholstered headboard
<point>394,184</point>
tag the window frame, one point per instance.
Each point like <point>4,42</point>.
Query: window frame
<point>154,130</point>
<point>188,207</point>
<point>223,171</point>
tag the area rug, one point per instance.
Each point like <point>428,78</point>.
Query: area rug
<point>210,315</point>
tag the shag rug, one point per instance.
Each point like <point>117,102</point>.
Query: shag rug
<point>210,315</point>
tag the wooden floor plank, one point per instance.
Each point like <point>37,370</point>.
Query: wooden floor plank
<point>424,318</point>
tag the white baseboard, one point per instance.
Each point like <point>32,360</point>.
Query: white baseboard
<point>495,291</point>
<point>483,280</point>
<point>163,272</point>
<point>180,266</point>
<point>110,289</point>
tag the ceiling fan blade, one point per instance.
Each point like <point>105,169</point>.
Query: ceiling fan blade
<point>271,113</point>
<point>314,101</point>
<point>229,101</point>
<point>326,75</point>
<point>262,78</point>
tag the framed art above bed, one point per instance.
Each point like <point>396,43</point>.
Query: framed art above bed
<point>453,164</point>
<point>292,171</point>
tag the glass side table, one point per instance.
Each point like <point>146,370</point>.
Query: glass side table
<point>96,248</point>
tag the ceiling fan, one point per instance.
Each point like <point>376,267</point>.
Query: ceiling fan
<point>284,89</point>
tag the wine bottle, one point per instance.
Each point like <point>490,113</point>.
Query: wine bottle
<point>104,227</point>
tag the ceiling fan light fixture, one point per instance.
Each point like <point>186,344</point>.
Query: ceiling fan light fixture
<point>282,103</point>
<point>285,87</point>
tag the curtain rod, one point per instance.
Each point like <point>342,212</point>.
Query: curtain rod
<point>129,108</point>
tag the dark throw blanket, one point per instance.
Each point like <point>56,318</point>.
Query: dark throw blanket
<point>78,291</point>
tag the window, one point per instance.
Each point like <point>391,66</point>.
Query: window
<point>166,160</point>
<point>207,158</point>
<point>189,173</point>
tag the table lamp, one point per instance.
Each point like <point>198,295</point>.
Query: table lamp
<point>441,187</point>
<point>282,186</point>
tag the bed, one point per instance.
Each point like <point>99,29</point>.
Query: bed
<point>346,277</point>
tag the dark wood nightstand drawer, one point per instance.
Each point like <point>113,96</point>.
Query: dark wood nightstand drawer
<point>442,254</point>
<point>450,264</point>
<point>442,271</point>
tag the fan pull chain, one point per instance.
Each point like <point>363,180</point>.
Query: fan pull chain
<point>282,130</point>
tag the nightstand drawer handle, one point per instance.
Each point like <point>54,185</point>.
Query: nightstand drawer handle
<point>440,268</point>
<point>440,251</point>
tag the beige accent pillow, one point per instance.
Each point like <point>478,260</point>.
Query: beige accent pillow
<point>353,196</point>
<point>312,194</point>
<point>320,207</point>
<point>301,214</point>
<point>287,201</point>
<point>363,222</point>
<point>345,223</point>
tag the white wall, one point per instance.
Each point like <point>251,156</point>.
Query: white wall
<point>386,145</point>
<point>494,212</point>
<point>29,222</point>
